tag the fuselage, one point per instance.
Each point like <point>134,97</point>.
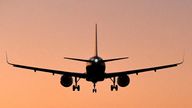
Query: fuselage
<point>95,69</point>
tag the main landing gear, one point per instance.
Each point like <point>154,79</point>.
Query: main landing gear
<point>76,86</point>
<point>114,86</point>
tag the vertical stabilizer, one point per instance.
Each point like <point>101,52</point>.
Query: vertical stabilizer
<point>96,46</point>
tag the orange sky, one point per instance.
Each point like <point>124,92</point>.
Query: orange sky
<point>41,32</point>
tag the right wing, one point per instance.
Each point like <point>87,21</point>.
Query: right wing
<point>137,71</point>
<point>74,74</point>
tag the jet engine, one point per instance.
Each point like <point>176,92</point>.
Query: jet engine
<point>123,80</point>
<point>66,81</point>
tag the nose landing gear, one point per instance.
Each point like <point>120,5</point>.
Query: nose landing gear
<point>94,88</point>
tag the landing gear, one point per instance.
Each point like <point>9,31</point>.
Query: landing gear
<point>94,89</point>
<point>76,86</point>
<point>114,86</point>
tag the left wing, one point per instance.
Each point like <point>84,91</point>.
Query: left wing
<point>137,71</point>
<point>74,74</point>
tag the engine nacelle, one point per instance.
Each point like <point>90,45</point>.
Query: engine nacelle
<point>123,80</point>
<point>66,81</point>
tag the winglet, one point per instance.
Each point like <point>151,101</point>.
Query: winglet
<point>183,59</point>
<point>7,60</point>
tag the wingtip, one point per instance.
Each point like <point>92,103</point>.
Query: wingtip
<point>126,57</point>
<point>181,62</point>
<point>7,60</point>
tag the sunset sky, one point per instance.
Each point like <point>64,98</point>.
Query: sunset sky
<point>150,32</point>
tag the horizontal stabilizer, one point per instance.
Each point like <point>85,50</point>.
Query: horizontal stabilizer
<point>77,59</point>
<point>108,60</point>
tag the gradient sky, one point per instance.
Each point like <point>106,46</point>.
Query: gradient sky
<point>41,32</point>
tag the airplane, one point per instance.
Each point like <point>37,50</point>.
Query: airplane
<point>95,71</point>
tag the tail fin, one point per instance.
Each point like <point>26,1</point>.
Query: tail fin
<point>96,49</point>
<point>96,45</point>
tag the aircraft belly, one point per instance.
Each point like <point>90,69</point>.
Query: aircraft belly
<point>95,75</point>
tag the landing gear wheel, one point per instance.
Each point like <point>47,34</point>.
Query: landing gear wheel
<point>111,87</point>
<point>76,87</point>
<point>114,87</point>
<point>94,90</point>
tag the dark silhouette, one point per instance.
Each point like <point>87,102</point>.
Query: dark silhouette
<point>95,71</point>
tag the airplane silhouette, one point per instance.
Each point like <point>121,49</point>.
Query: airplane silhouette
<point>95,71</point>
